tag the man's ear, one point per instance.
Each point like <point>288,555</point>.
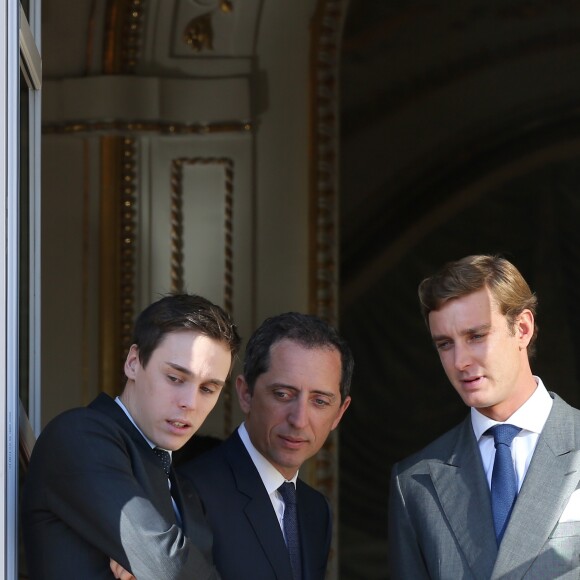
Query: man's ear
<point>343,407</point>
<point>132,362</point>
<point>525,327</point>
<point>244,395</point>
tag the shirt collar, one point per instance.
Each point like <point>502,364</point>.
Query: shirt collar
<point>531,416</point>
<point>270,476</point>
<point>126,411</point>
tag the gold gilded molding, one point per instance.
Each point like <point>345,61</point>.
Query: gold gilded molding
<point>86,280</point>
<point>326,34</point>
<point>177,229</point>
<point>163,128</point>
<point>117,257</point>
<point>123,35</point>
<point>109,265</point>
<point>128,241</point>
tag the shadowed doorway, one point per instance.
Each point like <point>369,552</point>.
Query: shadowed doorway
<point>454,142</point>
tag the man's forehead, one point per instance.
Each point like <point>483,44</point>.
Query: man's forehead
<point>474,309</point>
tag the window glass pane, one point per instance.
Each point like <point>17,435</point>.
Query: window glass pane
<point>24,241</point>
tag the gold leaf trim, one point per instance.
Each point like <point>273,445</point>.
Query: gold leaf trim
<point>164,128</point>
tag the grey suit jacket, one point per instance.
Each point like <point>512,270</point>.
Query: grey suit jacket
<point>440,521</point>
<point>248,542</point>
<point>95,490</point>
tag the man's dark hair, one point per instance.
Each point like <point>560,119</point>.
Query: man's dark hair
<point>177,312</point>
<point>308,331</point>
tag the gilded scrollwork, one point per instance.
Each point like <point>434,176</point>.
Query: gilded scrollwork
<point>199,32</point>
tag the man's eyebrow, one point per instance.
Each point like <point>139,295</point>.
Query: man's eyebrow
<point>325,394</point>
<point>187,372</point>
<point>328,394</point>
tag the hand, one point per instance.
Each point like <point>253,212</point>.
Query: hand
<point>120,572</point>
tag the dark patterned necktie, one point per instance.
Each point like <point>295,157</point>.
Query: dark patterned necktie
<point>165,459</point>
<point>504,487</point>
<point>288,492</point>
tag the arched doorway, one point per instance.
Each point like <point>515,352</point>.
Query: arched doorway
<point>459,135</point>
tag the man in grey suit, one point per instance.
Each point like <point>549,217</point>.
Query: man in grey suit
<point>100,483</point>
<point>473,505</point>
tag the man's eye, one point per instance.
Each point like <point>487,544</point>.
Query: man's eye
<point>321,402</point>
<point>445,345</point>
<point>174,379</point>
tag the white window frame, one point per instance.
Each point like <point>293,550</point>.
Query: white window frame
<point>17,48</point>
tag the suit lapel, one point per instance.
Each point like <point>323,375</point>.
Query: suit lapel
<point>258,509</point>
<point>553,475</point>
<point>315,533</point>
<point>462,490</point>
<point>160,494</point>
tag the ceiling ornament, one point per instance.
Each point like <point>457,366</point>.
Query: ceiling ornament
<point>199,33</point>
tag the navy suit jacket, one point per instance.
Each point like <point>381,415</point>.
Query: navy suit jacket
<point>95,490</point>
<point>248,542</point>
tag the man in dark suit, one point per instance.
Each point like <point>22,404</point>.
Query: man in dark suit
<point>293,392</point>
<point>100,484</point>
<point>498,496</point>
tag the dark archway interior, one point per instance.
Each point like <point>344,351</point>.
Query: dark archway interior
<point>460,135</point>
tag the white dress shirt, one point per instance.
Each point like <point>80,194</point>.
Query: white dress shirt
<point>271,477</point>
<point>530,417</point>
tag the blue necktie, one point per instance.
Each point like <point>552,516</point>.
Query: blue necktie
<point>288,492</point>
<point>504,487</point>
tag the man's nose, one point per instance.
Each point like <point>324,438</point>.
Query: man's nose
<point>298,416</point>
<point>462,357</point>
<point>188,397</point>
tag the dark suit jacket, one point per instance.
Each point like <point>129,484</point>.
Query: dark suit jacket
<point>440,522</point>
<point>248,541</point>
<point>95,490</point>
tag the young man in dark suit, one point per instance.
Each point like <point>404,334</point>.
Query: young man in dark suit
<point>498,496</point>
<point>294,391</point>
<point>100,484</point>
